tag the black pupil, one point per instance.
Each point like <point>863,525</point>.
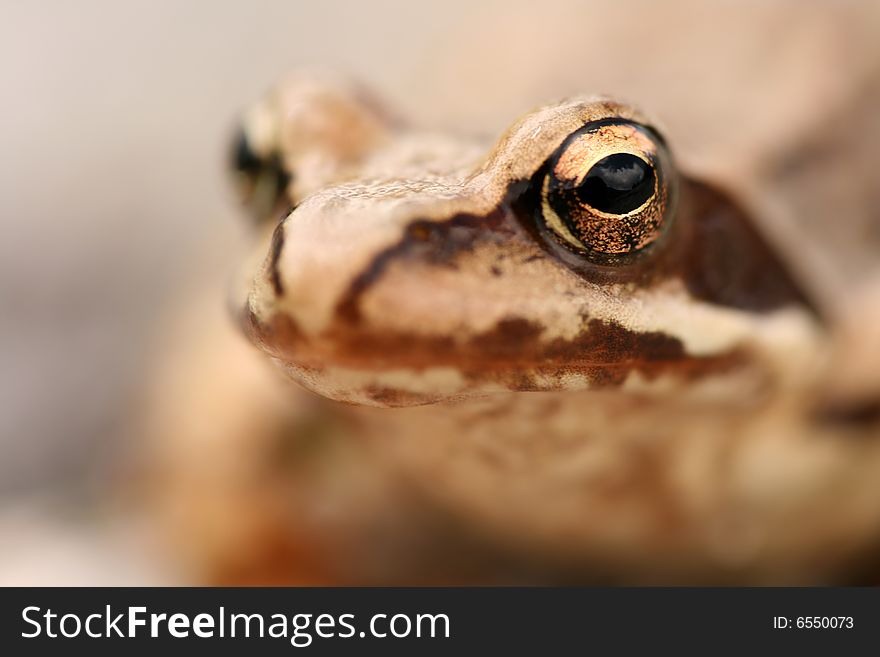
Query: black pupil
<point>617,184</point>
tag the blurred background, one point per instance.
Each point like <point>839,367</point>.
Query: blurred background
<point>114,195</point>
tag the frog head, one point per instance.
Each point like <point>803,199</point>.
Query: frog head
<point>571,253</point>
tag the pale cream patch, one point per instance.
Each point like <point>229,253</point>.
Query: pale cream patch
<point>431,380</point>
<point>565,380</point>
<point>324,251</point>
<point>745,385</point>
<point>421,156</point>
<point>469,301</point>
<point>260,126</point>
<point>355,385</point>
<point>705,329</point>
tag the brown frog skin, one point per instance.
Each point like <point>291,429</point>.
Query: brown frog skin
<point>586,399</point>
<point>582,404</point>
<point>423,272</point>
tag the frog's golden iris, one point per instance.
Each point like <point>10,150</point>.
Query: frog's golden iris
<point>607,189</point>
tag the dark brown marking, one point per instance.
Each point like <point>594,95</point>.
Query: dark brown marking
<point>865,412</point>
<point>511,338</point>
<point>279,335</point>
<point>512,353</point>
<point>728,262</point>
<point>274,256</point>
<point>712,246</point>
<point>609,342</point>
<point>435,242</point>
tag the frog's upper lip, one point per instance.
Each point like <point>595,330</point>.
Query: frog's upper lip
<point>513,352</point>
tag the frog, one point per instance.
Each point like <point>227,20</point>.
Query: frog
<point>551,356</point>
<point>576,344</point>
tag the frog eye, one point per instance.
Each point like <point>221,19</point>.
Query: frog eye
<point>261,179</point>
<point>607,189</point>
